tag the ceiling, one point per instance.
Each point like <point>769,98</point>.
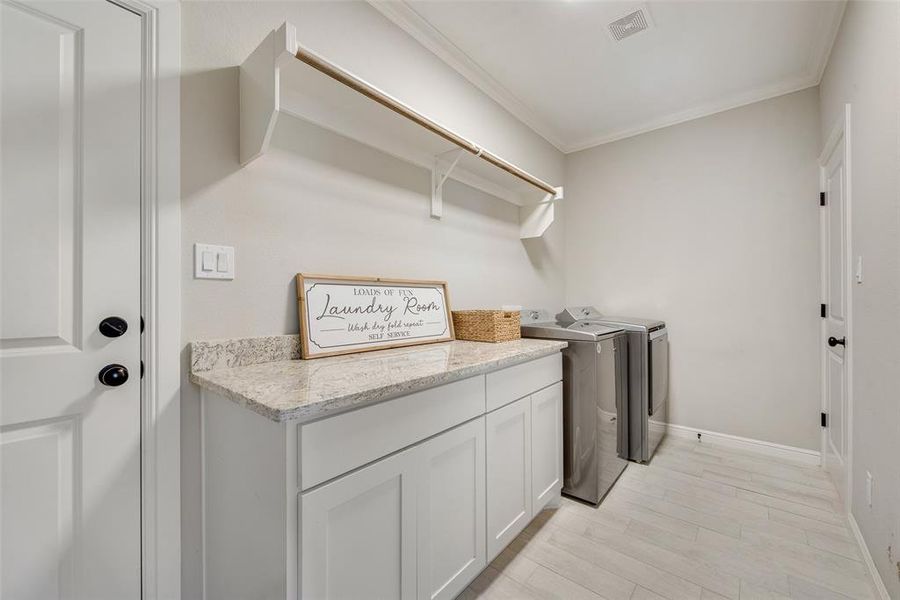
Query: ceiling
<point>556,67</point>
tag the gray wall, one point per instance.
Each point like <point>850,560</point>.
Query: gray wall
<point>321,203</point>
<point>712,225</point>
<point>864,70</point>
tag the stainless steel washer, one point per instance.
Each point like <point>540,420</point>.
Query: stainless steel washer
<point>595,415</point>
<point>648,376</point>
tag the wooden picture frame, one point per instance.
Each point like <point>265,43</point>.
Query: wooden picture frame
<point>344,315</point>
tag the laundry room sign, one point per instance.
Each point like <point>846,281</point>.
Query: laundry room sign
<point>341,315</point>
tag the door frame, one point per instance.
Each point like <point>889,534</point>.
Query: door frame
<point>840,131</point>
<point>160,297</point>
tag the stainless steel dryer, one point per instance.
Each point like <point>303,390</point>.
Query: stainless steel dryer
<point>648,376</point>
<point>595,415</point>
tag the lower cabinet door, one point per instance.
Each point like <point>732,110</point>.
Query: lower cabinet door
<point>546,445</point>
<point>508,473</point>
<point>451,508</point>
<point>358,533</point>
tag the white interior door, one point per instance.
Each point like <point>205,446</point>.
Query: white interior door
<point>836,296</point>
<point>69,257</point>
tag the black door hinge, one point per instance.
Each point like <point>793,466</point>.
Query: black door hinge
<point>821,198</point>
<point>822,311</point>
<point>824,420</point>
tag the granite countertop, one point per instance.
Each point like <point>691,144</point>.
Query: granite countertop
<point>265,374</point>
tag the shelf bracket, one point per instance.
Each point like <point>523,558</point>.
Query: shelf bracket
<point>535,219</point>
<point>444,164</point>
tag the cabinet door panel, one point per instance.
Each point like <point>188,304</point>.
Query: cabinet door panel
<point>359,534</point>
<point>508,473</point>
<point>451,507</point>
<point>546,445</point>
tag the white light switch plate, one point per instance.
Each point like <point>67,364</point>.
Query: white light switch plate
<point>213,262</point>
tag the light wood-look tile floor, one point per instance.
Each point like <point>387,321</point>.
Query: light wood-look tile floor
<point>700,522</point>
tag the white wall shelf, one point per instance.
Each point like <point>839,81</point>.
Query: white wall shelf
<point>282,77</point>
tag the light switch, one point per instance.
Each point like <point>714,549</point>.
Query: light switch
<point>213,262</point>
<point>209,260</point>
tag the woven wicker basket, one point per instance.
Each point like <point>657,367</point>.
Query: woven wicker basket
<point>487,325</point>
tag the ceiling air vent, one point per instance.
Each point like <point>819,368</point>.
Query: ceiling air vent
<point>632,23</point>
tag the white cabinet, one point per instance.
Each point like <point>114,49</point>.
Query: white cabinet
<point>451,507</point>
<point>405,499</point>
<point>546,445</point>
<point>359,533</point>
<point>410,525</point>
<point>524,463</point>
<point>508,473</point>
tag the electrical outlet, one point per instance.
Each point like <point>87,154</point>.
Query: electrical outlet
<point>869,483</point>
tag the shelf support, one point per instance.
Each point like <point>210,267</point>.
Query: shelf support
<point>535,219</point>
<point>444,164</point>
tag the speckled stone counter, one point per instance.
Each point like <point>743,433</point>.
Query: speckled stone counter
<point>265,373</point>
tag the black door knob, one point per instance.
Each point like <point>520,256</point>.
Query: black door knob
<point>113,375</point>
<point>113,326</point>
<point>833,341</point>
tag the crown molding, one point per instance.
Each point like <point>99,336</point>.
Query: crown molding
<point>815,67</point>
<point>698,112</point>
<point>405,17</point>
<point>827,34</point>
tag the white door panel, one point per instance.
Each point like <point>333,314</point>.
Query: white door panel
<point>69,256</point>
<point>837,246</point>
<point>835,402</point>
<point>40,236</point>
<point>40,463</point>
<point>836,295</point>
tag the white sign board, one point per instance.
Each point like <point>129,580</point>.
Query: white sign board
<point>340,315</point>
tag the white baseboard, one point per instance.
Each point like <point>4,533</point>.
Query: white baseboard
<point>880,589</point>
<point>792,453</point>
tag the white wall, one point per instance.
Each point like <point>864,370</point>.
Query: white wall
<point>864,70</point>
<point>324,204</point>
<point>712,225</point>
